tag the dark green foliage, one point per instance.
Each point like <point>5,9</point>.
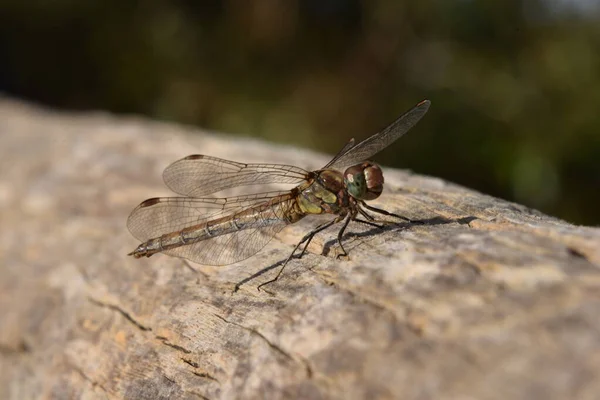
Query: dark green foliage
<point>515,85</point>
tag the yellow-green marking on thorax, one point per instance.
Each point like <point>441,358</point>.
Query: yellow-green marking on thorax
<point>321,193</point>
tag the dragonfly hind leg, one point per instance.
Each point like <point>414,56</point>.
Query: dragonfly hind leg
<point>306,239</point>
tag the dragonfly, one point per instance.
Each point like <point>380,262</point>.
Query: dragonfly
<point>224,230</point>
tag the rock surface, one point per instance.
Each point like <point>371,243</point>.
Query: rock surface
<point>485,300</point>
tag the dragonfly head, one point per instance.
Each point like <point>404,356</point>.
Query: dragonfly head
<point>364,181</point>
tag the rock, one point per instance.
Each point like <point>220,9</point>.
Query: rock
<point>485,299</point>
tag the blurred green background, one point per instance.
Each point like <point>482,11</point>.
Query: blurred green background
<point>515,84</point>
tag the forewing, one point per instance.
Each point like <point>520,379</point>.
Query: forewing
<point>373,145</point>
<point>199,175</point>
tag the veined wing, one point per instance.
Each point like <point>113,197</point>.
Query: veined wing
<point>199,175</point>
<point>158,216</point>
<point>374,144</point>
<point>231,247</point>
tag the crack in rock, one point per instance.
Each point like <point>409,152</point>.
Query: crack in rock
<point>201,374</point>
<point>91,381</point>
<point>124,313</point>
<point>177,347</point>
<point>272,345</point>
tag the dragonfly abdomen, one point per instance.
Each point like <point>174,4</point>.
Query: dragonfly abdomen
<point>269,213</point>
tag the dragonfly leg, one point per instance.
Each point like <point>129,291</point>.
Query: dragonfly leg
<point>307,238</point>
<point>305,245</point>
<point>370,219</point>
<point>362,221</point>
<point>341,233</point>
<point>365,214</point>
<point>380,211</point>
<point>379,223</point>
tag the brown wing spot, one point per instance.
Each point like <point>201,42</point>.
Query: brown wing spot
<point>194,157</point>
<point>150,202</point>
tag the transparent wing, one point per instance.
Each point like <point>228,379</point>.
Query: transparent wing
<point>159,216</point>
<point>199,175</point>
<point>373,145</point>
<point>229,248</point>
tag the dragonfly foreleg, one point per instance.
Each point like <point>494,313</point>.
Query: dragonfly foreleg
<point>370,219</point>
<point>362,221</point>
<point>306,239</point>
<point>365,214</point>
<point>384,212</point>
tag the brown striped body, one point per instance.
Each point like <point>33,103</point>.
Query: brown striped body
<point>324,193</point>
<point>261,215</point>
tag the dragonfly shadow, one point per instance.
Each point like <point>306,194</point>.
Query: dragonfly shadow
<point>259,273</point>
<point>330,244</point>
<point>370,232</point>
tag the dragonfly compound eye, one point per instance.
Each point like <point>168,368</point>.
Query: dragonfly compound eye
<point>364,181</point>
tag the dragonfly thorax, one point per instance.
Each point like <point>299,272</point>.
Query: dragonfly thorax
<point>364,181</point>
